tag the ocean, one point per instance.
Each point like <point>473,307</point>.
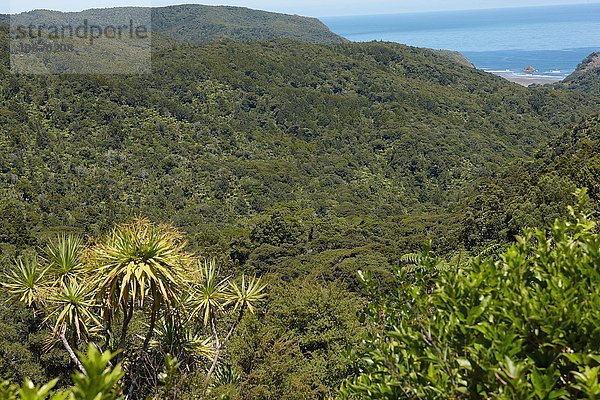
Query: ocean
<point>553,39</point>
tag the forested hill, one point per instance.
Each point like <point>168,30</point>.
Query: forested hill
<point>199,23</point>
<point>586,77</point>
<point>538,191</point>
<point>303,163</point>
<point>225,130</point>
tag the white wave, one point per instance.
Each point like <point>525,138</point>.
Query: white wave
<point>536,76</point>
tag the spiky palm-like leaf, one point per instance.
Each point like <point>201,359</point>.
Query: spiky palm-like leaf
<point>173,337</point>
<point>247,294</point>
<point>225,374</point>
<point>210,294</point>
<point>63,254</point>
<point>141,258</point>
<point>23,281</point>
<point>71,309</point>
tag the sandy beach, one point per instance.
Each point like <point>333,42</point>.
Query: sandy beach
<point>526,80</point>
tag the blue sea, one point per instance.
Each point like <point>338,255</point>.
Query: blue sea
<point>554,39</point>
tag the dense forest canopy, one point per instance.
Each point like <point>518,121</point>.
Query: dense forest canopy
<point>299,161</point>
<point>350,130</point>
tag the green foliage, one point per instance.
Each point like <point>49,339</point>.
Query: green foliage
<point>99,381</point>
<point>8,391</point>
<point>92,294</point>
<point>247,294</point>
<point>29,391</point>
<point>296,347</point>
<point>224,386</point>
<point>72,309</point>
<point>141,258</point>
<point>196,23</point>
<point>223,132</point>
<point>210,294</point>
<point>63,256</point>
<point>24,279</point>
<point>298,161</point>
<point>174,336</point>
<point>519,325</point>
<point>21,347</point>
<point>535,193</point>
<point>277,230</point>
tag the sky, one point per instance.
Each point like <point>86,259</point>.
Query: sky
<point>316,8</point>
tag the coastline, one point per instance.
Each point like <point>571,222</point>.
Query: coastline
<point>527,80</point>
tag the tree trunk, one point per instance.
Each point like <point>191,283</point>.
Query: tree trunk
<point>136,370</point>
<point>155,308</point>
<point>127,315</point>
<point>72,354</point>
<point>218,346</point>
<point>211,371</point>
<point>215,360</point>
<point>107,327</point>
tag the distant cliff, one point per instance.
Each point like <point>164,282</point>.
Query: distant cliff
<point>592,62</point>
<point>198,23</point>
<point>456,57</point>
<point>586,77</point>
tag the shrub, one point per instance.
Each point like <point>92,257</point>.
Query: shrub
<point>98,381</point>
<point>521,325</point>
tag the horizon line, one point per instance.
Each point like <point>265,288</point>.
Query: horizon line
<point>461,10</point>
<point>318,16</point>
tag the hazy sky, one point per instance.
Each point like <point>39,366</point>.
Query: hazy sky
<point>315,8</point>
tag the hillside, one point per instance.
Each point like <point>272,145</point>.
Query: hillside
<point>586,77</point>
<point>536,192</point>
<point>592,62</point>
<point>455,56</point>
<point>355,130</point>
<point>198,23</point>
<point>302,163</point>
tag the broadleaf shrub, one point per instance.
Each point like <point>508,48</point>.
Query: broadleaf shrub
<point>99,382</point>
<point>521,325</point>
